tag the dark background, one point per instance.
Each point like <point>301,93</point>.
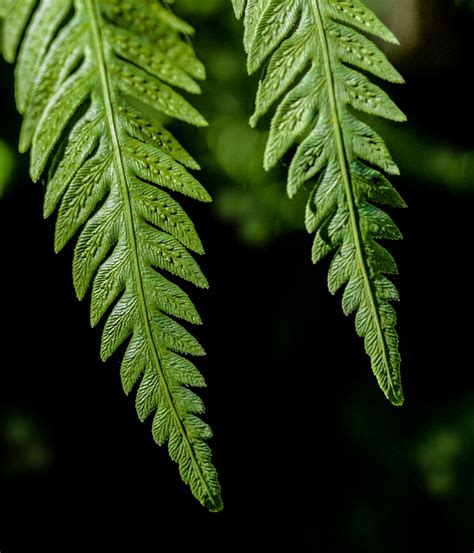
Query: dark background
<point>311,456</point>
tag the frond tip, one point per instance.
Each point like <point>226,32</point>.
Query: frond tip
<point>313,51</point>
<point>95,79</point>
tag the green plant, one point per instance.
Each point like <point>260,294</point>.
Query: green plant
<point>93,81</point>
<point>312,51</point>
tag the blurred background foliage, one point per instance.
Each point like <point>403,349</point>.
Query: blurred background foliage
<point>310,454</point>
<point>7,166</point>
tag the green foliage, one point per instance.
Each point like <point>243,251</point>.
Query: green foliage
<point>438,456</point>
<point>94,81</point>
<point>7,167</point>
<point>313,51</point>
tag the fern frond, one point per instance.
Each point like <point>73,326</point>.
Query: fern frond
<point>314,51</point>
<point>94,81</point>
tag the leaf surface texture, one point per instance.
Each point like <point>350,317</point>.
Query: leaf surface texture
<point>316,58</point>
<point>95,82</point>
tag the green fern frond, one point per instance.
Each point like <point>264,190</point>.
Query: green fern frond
<point>313,51</point>
<point>94,81</point>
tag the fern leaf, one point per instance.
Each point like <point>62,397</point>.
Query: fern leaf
<point>313,51</point>
<point>93,81</point>
<point>16,15</point>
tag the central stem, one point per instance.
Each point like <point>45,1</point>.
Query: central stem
<point>346,178</point>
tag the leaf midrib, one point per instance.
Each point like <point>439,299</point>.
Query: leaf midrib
<point>94,17</point>
<point>344,166</point>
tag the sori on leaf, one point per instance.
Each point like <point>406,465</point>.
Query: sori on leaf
<point>316,56</point>
<point>95,79</point>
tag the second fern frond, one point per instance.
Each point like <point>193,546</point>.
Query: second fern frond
<point>313,54</point>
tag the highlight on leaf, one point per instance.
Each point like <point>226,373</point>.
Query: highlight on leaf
<point>313,52</point>
<point>95,79</point>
